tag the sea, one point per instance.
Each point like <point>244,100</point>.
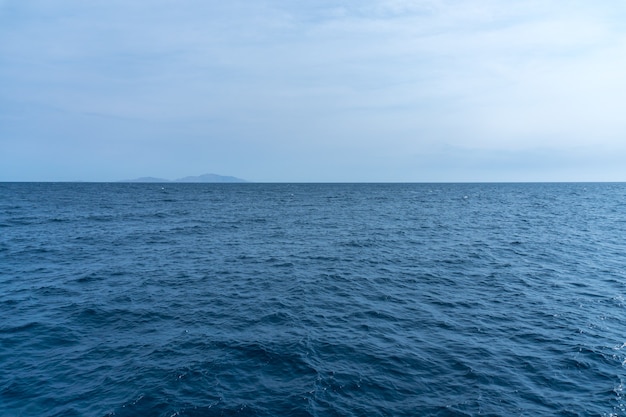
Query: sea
<point>166,300</point>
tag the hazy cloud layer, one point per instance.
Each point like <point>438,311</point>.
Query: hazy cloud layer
<point>313,91</point>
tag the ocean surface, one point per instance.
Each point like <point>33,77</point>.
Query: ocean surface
<point>312,299</point>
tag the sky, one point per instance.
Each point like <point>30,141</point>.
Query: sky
<point>313,90</point>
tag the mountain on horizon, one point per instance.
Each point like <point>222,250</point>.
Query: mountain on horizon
<point>195,179</point>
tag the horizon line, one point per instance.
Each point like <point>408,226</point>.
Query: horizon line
<point>243,182</point>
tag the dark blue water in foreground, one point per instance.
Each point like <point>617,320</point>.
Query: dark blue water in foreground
<point>312,300</point>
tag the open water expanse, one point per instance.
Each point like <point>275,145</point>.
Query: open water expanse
<point>312,299</point>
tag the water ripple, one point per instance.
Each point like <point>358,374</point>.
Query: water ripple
<point>312,299</point>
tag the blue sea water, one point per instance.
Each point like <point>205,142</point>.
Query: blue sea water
<point>312,299</point>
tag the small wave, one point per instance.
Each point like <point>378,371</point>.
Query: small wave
<point>226,301</point>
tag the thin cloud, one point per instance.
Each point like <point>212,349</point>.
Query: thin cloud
<point>396,77</point>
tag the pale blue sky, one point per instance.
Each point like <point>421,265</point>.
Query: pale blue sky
<point>283,90</point>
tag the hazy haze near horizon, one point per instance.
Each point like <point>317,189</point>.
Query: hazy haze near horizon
<point>373,90</point>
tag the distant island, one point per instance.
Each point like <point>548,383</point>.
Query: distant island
<point>194,179</point>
